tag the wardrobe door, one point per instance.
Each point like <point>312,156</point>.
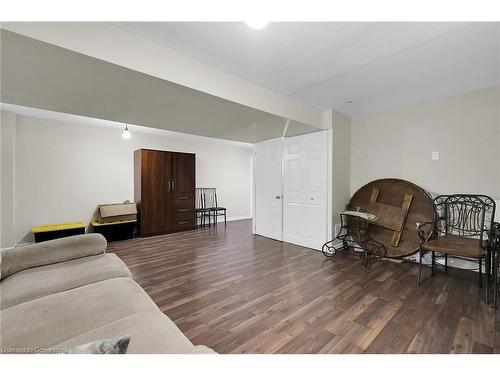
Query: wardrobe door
<point>268,188</point>
<point>305,190</point>
<point>182,191</point>
<point>155,202</point>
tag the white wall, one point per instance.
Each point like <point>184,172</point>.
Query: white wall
<point>341,164</point>
<point>7,177</point>
<point>464,128</point>
<point>64,169</point>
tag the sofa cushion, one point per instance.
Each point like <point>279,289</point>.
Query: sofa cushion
<point>103,309</point>
<point>47,321</point>
<point>40,254</point>
<point>41,281</point>
<point>150,333</point>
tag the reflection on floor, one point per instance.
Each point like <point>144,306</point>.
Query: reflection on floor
<point>240,293</point>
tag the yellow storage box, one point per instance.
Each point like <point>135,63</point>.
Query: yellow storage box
<point>53,231</point>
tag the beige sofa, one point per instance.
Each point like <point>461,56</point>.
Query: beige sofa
<point>67,292</point>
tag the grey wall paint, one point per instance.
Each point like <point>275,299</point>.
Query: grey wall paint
<point>40,75</point>
<point>341,163</point>
<point>464,128</point>
<point>7,178</point>
<point>58,171</point>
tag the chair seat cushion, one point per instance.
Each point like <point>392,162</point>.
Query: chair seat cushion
<point>202,209</point>
<point>456,245</point>
<point>41,281</point>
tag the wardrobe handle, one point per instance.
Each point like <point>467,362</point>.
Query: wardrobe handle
<point>169,189</point>
<point>173,186</point>
<point>183,209</point>
<point>183,222</point>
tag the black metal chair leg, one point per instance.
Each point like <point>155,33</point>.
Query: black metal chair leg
<point>480,273</point>
<point>432,265</point>
<point>225,220</point>
<point>496,284</point>
<point>487,267</point>
<point>446,261</point>
<point>420,269</point>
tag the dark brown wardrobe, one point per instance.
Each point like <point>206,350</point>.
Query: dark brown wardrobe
<point>164,184</point>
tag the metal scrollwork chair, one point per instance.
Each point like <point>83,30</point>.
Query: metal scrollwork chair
<point>461,227</point>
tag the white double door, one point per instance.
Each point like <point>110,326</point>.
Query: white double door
<point>291,189</point>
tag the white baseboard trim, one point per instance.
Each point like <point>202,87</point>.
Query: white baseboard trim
<point>463,264</point>
<point>233,218</point>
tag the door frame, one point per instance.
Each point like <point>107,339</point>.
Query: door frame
<point>329,198</point>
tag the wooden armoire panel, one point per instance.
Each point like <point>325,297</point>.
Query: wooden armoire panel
<point>183,178</point>
<point>164,191</point>
<point>183,174</point>
<point>155,204</point>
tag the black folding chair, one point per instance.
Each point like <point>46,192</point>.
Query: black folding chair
<point>201,211</point>
<point>210,196</point>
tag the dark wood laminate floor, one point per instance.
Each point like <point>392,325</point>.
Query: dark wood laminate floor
<point>240,293</point>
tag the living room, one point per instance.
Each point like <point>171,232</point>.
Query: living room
<point>196,186</point>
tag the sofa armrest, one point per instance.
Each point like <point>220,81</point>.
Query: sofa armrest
<point>55,251</point>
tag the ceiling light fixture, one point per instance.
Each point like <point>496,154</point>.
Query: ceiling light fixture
<point>126,133</point>
<point>257,24</point>
<point>350,101</point>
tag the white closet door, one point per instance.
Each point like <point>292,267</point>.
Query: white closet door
<point>305,190</point>
<point>268,189</point>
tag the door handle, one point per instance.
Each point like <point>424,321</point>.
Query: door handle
<point>278,197</point>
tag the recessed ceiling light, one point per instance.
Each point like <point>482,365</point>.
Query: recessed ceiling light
<point>257,24</point>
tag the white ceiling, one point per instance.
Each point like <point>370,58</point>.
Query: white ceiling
<point>377,65</point>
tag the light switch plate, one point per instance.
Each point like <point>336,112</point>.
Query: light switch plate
<point>435,155</point>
